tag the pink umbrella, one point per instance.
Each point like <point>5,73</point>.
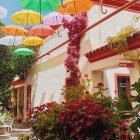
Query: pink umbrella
<point>56,19</point>
<point>41,31</point>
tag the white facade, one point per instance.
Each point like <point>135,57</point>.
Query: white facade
<point>47,76</point>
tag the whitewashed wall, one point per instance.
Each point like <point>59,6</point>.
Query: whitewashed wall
<point>109,79</point>
<point>48,74</point>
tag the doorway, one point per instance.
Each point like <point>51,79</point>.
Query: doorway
<point>123,87</point>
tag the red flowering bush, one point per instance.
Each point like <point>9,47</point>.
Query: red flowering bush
<point>84,118</point>
<point>43,120</point>
<point>71,62</point>
<point>81,117</point>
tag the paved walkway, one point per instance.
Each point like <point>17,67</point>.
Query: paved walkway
<point>17,132</point>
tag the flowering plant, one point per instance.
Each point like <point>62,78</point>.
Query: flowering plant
<point>85,118</point>
<point>81,117</point>
<point>43,120</point>
<point>71,62</point>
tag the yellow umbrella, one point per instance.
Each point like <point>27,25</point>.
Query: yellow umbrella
<point>14,30</point>
<point>33,41</point>
<point>73,7</point>
<point>27,17</point>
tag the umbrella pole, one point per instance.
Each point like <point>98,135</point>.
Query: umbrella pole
<point>41,22</point>
<point>101,6</point>
<point>58,28</point>
<point>14,38</point>
<point>27,21</point>
<point>75,7</point>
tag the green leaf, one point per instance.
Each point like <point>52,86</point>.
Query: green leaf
<point>136,86</point>
<point>127,116</point>
<point>115,118</point>
<point>124,105</point>
<point>138,137</point>
<point>134,126</point>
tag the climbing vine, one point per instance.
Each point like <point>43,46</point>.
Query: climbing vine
<point>74,27</point>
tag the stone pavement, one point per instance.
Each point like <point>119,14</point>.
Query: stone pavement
<point>17,132</point>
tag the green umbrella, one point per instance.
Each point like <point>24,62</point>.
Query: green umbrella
<point>40,5</point>
<point>23,51</point>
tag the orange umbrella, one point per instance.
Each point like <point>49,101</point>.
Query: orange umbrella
<point>14,30</point>
<point>41,31</point>
<point>73,7</point>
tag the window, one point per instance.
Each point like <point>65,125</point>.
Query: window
<point>123,87</point>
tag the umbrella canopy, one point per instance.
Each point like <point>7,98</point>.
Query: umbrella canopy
<point>11,40</point>
<point>33,41</point>
<point>27,17</point>
<point>14,30</point>
<point>3,12</point>
<point>43,5</point>
<point>73,7</point>
<point>55,18</point>
<point>41,31</point>
<point>23,51</point>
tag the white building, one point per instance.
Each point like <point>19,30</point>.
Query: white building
<point>47,76</point>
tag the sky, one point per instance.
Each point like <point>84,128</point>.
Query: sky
<point>12,6</point>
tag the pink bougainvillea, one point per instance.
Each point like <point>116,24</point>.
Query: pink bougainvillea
<point>74,27</point>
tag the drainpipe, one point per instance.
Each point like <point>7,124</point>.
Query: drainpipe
<point>90,27</point>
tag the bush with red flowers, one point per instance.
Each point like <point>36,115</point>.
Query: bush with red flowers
<point>85,119</point>
<point>74,27</point>
<point>43,120</point>
<point>81,117</point>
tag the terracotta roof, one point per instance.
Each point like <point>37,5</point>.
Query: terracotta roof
<point>105,52</point>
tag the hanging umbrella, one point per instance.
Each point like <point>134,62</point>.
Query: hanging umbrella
<point>55,18</point>
<point>40,5</point>
<point>73,7</point>
<point>11,40</point>
<point>26,17</point>
<point>41,31</point>
<point>14,30</point>
<point>23,51</point>
<point>33,41</point>
<point>3,12</point>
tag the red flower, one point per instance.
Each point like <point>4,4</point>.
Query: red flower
<point>124,136</point>
<point>74,27</point>
<point>86,75</point>
<point>100,84</point>
<point>120,122</point>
